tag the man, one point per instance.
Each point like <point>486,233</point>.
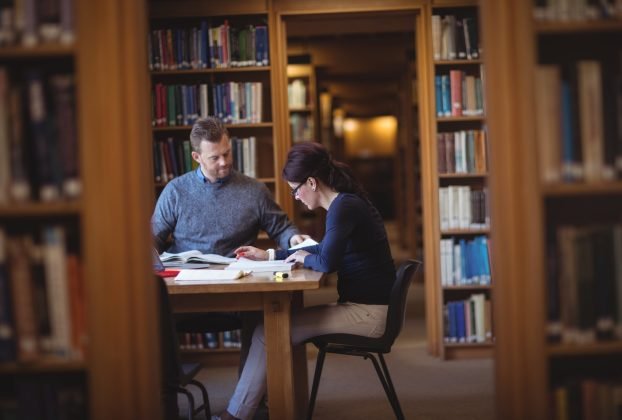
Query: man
<point>216,209</point>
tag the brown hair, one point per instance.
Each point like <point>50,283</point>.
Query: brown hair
<point>209,129</point>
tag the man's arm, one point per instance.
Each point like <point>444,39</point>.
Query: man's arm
<point>275,222</point>
<point>164,219</point>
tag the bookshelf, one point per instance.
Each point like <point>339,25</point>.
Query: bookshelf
<point>211,62</point>
<point>302,104</point>
<point>61,220</point>
<point>547,205</point>
<point>302,101</point>
<point>459,289</point>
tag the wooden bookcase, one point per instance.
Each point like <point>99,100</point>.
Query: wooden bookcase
<point>537,368</point>
<point>303,118</point>
<point>302,103</point>
<point>239,15</point>
<point>458,286</point>
<point>117,375</point>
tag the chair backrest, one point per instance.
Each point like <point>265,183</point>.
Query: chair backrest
<point>397,302</point>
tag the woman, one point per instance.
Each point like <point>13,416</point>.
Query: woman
<point>355,245</point>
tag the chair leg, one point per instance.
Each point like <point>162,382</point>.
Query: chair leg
<point>316,382</point>
<point>396,406</point>
<point>188,395</point>
<point>205,406</point>
<point>387,384</point>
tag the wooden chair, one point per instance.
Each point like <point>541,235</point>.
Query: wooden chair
<point>366,347</point>
<point>176,376</point>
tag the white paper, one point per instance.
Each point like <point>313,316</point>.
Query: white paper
<point>196,276</point>
<point>260,266</point>
<point>305,243</point>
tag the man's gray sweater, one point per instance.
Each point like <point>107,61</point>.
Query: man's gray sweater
<point>217,217</point>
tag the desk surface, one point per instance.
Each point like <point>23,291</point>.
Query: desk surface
<point>299,279</point>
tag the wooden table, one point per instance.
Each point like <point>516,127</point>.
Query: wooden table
<point>287,393</point>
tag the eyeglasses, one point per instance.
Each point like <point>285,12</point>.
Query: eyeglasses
<point>295,190</point>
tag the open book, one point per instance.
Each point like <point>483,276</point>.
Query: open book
<point>193,257</point>
<point>260,266</point>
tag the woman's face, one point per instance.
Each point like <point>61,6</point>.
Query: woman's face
<point>302,191</point>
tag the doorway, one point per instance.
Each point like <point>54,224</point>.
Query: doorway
<point>352,87</point>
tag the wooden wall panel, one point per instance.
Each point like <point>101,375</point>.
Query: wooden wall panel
<point>123,358</point>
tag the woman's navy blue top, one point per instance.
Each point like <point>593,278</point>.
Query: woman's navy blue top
<point>355,245</point>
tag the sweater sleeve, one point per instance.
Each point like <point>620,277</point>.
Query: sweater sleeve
<point>164,217</point>
<point>340,222</point>
<point>274,221</point>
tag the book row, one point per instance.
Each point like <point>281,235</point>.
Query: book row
<point>468,321</point>
<point>585,284</point>
<point>462,152</point>
<point>205,46</point>
<point>565,10</point>
<point>171,158</point>
<point>32,22</point>
<point>38,144</point>
<point>463,208</point>
<point>46,396</point>
<point>455,37</point>
<point>579,121</point>
<point>465,262</point>
<point>302,127</point>
<point>587,399</point>
<point>178,105</point>
<point>458,94</point>
<point>42,307</point>
<point>224,340</point>
<point>297,94</point>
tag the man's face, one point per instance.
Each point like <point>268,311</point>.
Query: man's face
<point>215,158</point>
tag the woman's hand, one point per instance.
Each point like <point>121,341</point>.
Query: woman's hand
<point>298,239</point>
<point>298,257</point>
<point>251,253</point>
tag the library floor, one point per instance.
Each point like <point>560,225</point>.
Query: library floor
<point>428,388</point>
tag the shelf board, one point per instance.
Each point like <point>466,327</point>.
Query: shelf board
<point>45,365</point>
<point>156,73</point>
<point>38,51</point>
<point>559,27</point>
<point>582,188</point>
<point>461,118</point>
<point>303,109</point>
<point>232,126</point>
<point>453,351</point>
<point>457,62</point>
<point>40,209</point>
<point>267,180</point>
<point>598,348</point>
<point>482,231</point>
<point>468,287</point>
<point>460,175</point>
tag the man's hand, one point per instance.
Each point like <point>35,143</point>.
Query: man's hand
<point>298,239</point>
<point>251,253</point>
<point>298,257</point>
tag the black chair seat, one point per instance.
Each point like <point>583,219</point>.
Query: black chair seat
<point>350,341</point>
<point>368,347</point>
